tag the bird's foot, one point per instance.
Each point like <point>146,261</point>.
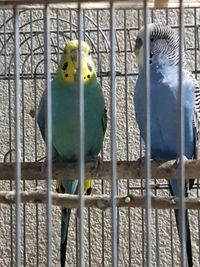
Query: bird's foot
<point>55,159</point>
<point>141,161</point>
<point>178,159</point>
<point>97,160</point>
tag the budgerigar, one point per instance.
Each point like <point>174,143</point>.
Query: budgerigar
<point>164,86</point>
<point>64,88</point>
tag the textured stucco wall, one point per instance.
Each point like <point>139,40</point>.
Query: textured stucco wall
<point>33,217</point>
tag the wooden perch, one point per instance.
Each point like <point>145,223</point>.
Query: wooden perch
<point>125,170</point>
<point>96,201</point>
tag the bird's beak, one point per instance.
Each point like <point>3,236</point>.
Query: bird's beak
<point>138,45</point>
<point>74,55</point>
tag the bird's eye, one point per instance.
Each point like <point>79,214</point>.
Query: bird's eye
<point>152,39</point>
<point>89,53</point>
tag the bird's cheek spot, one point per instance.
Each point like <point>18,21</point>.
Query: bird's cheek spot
<point>66,75</point>
<point>88,76</point>
<point>150,61</point>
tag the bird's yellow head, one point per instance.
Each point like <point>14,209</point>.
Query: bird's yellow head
<point>69,63</point>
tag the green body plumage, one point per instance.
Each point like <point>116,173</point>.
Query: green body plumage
<point>64,89</point>
<point>65,118</point>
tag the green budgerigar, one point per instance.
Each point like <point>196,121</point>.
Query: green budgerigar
<point>64,88</point>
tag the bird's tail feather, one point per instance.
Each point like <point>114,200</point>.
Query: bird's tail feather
<point>187,234</point>
<point>173,187</point>
<point>65,217</point>
<point>70,187</point>
<point>88,186</point>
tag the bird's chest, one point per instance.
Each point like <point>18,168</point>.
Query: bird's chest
<point>164,114</point>
<point>65,118</point>
<point>164,119</point>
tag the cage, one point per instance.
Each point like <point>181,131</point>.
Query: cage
<point>122,224</point>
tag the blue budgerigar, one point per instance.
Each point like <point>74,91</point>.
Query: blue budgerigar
<point>164,86</point>
<point>64,89</point>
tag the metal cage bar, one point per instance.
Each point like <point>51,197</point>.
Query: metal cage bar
<point>17,139</point>
<point>81,137</point>
<point>147,137</point>
<point>49,132</point>
<point>113,140</point>
<point>181,138</point>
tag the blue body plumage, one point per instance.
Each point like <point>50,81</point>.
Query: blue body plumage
<point>164,86</point>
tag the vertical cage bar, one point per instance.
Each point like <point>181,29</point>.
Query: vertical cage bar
<point>36,182</point>
<point>47,66</point>
<point>81,135</point>
<point>23,159</point>
<point>142,180</point>
<point>147,137</point>
<point>181,137</point>
<point>172,239</point>
<point>5,42</point>
<point>89,211</point>
<point>70,23</point>
<point>76,229</point>
<point>127,131</point>
<point>89,239</point>
<point>57,35</point>
<point>157,236</point>
<point>196,71</point>
<point>17,137</point>
<point>84,26</point>
<point>113,138</point>
<point>35,135</point>
<point>143,215</point>
<point>102,154</point>
<point>31,40</point>
<point>89,256</point>
<point>170,211</point>
<point>10,140</point>
<point>23,152</point>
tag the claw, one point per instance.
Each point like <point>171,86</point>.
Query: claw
<point>97,162</point>
<point>96,159</point>
<point>141,161</point>
<point>178,159</point>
